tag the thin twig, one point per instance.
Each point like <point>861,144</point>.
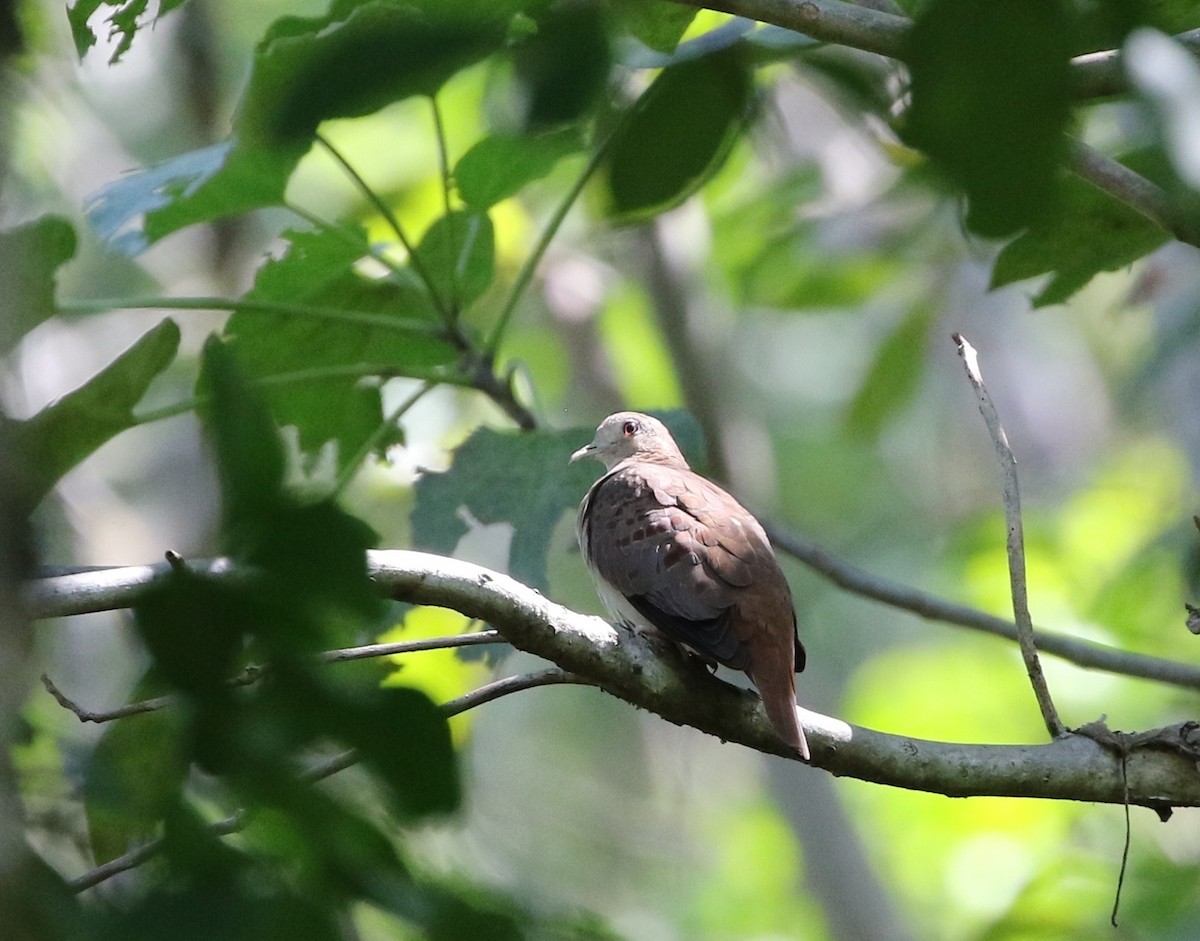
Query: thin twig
<point>439,133</point>
<point>363,318</point>
<point>373,441</point>
<point>253,673</point>
<point>1015,541</point>
<point>551,676</point>
<point>1083,653</point>
<point>393,222</point>
<point>534,258</point>
<point>87,715</point>
<point>1125,849</point>
<point>147,851</point>
<point>327,767</point>
<point>410,646</point>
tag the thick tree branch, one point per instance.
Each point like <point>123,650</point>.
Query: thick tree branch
<point>844,24</point>
<point>1015,541</point>
<point>1161,767</point>
<point>1095,75</point>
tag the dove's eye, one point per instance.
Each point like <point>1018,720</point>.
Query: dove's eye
<point>630,428</point>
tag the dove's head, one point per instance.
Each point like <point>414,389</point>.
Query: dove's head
<point>627,435</point>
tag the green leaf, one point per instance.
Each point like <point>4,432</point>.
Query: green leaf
<point>894,376</point>
<point>990,103</point>
<point>68,430</point>
<point>350,62</point>
<point>125,19</point>
<point>678,134</point>
<point>30,255</point>
<point>250,462</point>
<point>658,24</point>
<point>313,551</point>
<point>403,737</point>
<point>563,67</point>
<point>1087,232</point>
<point>134,775</point>
<point>198,186</point>
<point>501,165</point>
<point>309,363</point>
<point>458,255</point>
<point>358,58</point>
<point>521,478</point>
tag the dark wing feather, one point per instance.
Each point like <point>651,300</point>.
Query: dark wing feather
<point>679,548</point>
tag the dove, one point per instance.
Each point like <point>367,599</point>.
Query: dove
<point>672,554</point>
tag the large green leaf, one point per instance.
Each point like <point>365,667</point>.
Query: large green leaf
<point>1087,232</point>
<point>30,256</point>
<point>520,478</point>
<point>500,165</point>
<point>990,103</point>
<point>678,134</point>
<point>198,186</point>
<point>350,62</point>
<point>358,58</point>
<point>311,364</point>
<point>69,429</point>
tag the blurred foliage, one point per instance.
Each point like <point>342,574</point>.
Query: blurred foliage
<point>449,237</point>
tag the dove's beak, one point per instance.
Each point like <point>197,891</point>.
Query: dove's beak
<point>588,450</point>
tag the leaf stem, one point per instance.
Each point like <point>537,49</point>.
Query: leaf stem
<point>439,129</point>
<point>529,267</point>
<point>393,221</point>
<point>360,317</point>
<point>338,232</point>
<point>351,469</point>
<point>318,374</point>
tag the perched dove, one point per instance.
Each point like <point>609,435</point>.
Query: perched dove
<point>674,554</point>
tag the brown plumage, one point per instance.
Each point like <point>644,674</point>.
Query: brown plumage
<point>673,553</point>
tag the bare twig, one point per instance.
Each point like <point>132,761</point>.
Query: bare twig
<point>147,851</point>
<point>326,767</point>
<point>87,715</point>
<point>411,646</point>
<point>1125,848</point>
<point>253,673</point>
<point>1083,653</point>
<point>551,676</point>
<point>1015,541</point>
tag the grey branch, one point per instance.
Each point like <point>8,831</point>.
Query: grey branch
<point>1161,769</point>
<point>1015,541</point>
<point>627,666</point>
<point>1083,653</point>
<point>252,674</point>
<point>1131,188</point>
<point>1095,75</point>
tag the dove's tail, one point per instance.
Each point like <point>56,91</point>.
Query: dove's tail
<point>778,692</point>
